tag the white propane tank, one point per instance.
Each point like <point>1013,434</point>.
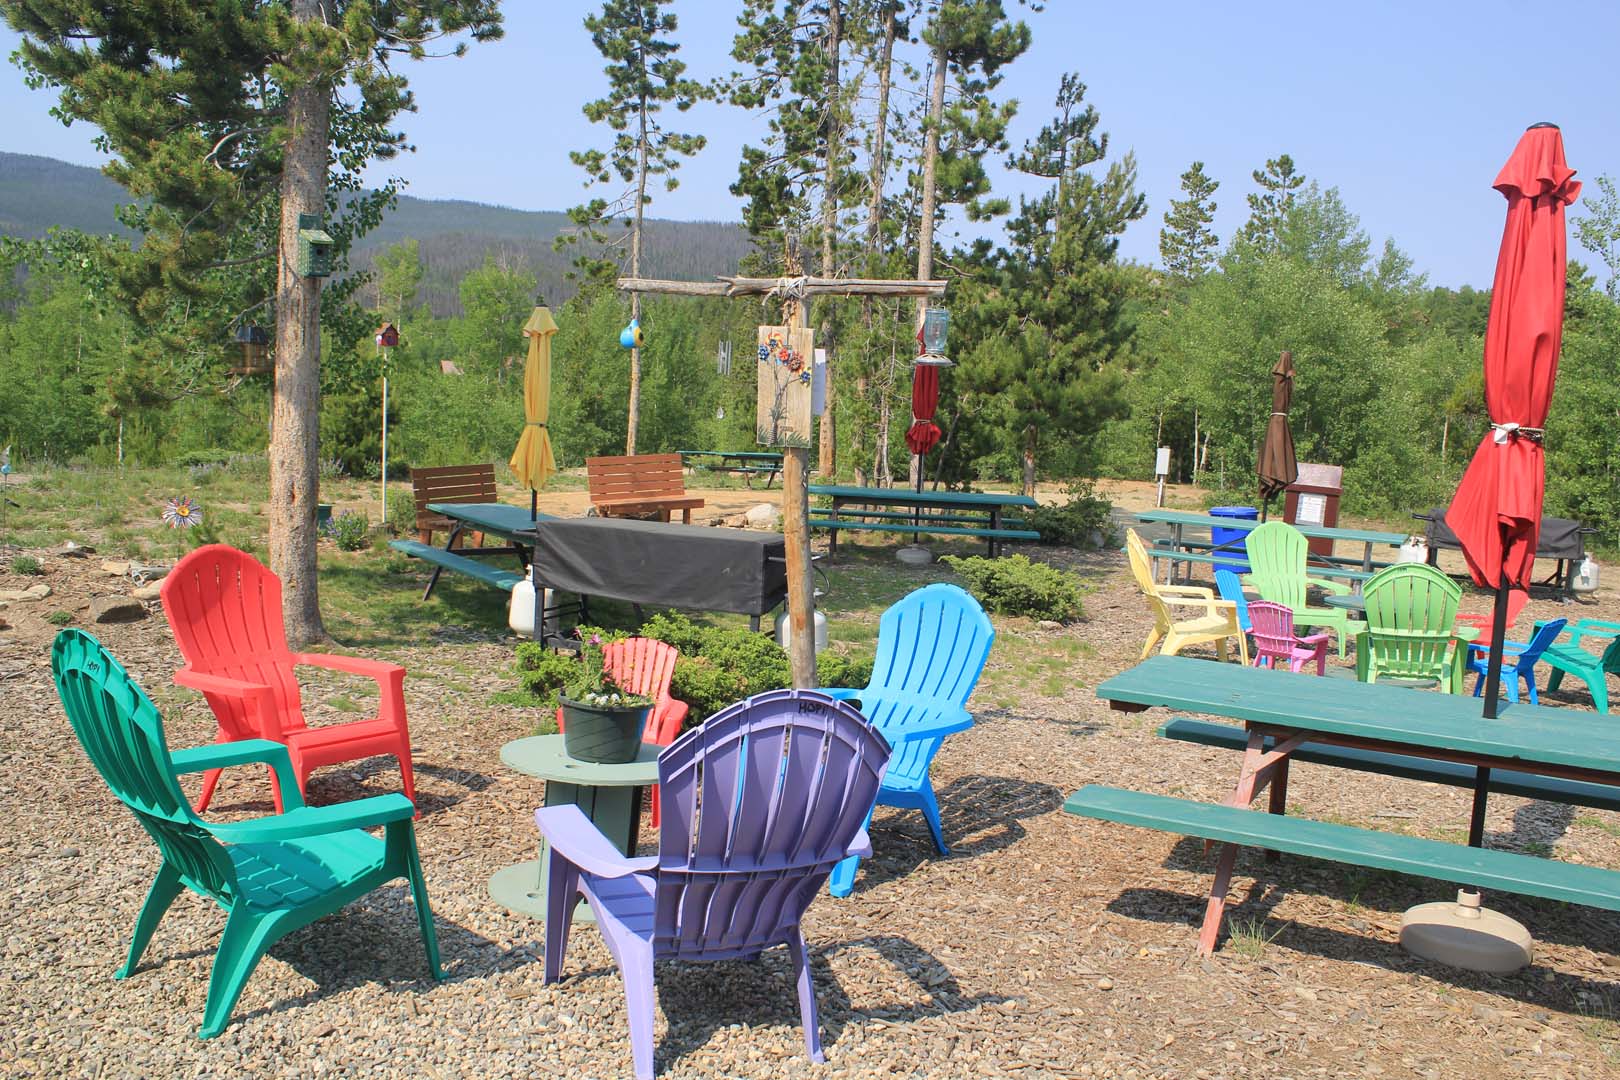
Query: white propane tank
<point>1586,577</point>
<point>784,631</point>
<point>520,614</point>
<point>1414,549</point>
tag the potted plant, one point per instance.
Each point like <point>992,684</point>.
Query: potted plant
<point>602,721</point>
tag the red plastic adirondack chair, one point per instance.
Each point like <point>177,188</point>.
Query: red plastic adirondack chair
<point>644,666</point>
<point>1516,601</point>
<point>224,608</point>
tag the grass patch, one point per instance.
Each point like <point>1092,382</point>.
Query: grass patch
<point>59,618</point>
<point>1249,938</point>
<point>26,565</point>
<point>343,704</point>
<point>1601,824</point>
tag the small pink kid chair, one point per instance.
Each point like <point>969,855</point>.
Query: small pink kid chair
<point>1274,638</point>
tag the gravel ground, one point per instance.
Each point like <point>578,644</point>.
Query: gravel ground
<point>1043,946</point>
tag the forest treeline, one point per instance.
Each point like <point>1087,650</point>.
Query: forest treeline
<point>880,119</point>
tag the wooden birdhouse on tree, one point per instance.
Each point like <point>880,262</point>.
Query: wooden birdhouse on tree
<point>255,342</point>
<point>314,247</point>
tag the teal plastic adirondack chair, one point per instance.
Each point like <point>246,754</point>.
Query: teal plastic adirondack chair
<point>1591,668</point>
<point>1411,620</point>
<point>1276,554</point>
<point>932,646</point>
<point>272,875</point>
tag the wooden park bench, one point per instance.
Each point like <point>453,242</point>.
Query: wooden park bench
<point>448,484</point>
<point>640,485</point>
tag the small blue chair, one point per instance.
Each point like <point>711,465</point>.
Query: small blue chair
<point>1231,588</point>
<point>932,646</point>
<point>1524,656</point>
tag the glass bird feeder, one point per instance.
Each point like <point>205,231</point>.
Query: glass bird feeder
<point>936,323</point>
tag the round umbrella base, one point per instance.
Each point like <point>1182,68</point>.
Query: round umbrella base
<point>914,555</point>
<point>1466,935</point>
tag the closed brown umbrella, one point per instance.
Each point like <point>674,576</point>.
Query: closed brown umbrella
<point>1278,467</point>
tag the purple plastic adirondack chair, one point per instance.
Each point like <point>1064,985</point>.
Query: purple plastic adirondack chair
<point>1274,639</point>
<point>760,802</point>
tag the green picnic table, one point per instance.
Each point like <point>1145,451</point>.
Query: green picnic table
<point>1179,548</point>
<point>748,463</point>
<point>1558,754</point>
<point>905,510</point>
<point>513,524</point>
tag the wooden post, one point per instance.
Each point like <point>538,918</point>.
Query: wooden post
<point>801,597</point>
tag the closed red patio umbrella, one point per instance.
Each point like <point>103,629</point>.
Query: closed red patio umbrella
<point>1496,512</point>
<point>923,434</point>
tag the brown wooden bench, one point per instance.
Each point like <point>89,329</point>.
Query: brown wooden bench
<point>449,484</point>
<point>641,485</point>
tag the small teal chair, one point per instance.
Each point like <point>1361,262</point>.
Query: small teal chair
<point>932,646</point>
<point>1230,587</point>
<point>1522,655</point>
<point>272,875</point>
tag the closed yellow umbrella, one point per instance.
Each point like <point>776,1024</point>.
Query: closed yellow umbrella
<point>533,461</point>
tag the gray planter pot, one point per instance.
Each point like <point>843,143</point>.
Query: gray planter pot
<point>600,734</point>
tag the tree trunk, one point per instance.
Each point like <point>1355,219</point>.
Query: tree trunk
<point>874,218</point>
<point>925,224</point>
<point>635,271</point>
<point>828,459</point>
<point>296,405</point>
<point>1030,433</point>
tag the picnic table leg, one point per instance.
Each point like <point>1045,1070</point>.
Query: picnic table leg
<point>1366,558</point>
<point>995,523</point>
<point>1279,798</point>
<point>450,543</point>
<point>832,538</point>
<point>1215,910</point>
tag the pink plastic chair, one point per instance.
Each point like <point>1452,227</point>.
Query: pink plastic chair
<point>1274,639</point>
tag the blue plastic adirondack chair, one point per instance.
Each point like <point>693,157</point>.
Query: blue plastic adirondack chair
<point>1230,588</point>
<point>932,646</point>
<point>273,875</point>
<point>1522,655</point>
<point>760,802</point>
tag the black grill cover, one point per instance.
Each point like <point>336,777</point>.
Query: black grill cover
<point>660,564</point>
<point>1560,537</point>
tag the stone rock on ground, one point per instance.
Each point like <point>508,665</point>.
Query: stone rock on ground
<point>147,592</point>
<point>115,567</point>
<point>763,516</point>
<point>33,592</point>
<point>116,609</point>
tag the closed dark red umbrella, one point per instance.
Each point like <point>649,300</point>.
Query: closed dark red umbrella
<point>923,434</point>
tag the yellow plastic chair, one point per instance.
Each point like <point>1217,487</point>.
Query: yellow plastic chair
<point>1219,621</point>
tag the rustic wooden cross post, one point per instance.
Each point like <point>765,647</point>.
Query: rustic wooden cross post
<point>796,291</point>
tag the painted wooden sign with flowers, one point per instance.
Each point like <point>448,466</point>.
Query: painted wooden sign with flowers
<point>783,405</point>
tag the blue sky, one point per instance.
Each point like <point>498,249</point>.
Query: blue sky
<point>1404,107</point>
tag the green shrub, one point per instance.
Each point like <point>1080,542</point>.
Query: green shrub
<point>350,531</point>
<point>401,519</point>
<point>836,669</point>
<point>1074,522</point>
<point>201,459</point>
<point>59,618</point>
<point>26,565</point>
<point>542,672</point>
<point>1013,585</point>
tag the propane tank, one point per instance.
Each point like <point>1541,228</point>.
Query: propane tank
<point>520,614</point>
<point>784,629</point>
<point>1586,576</point>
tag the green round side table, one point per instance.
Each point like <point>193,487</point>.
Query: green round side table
<point>610,795</point>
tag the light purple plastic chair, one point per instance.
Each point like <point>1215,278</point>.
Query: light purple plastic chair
<point>760,802</point>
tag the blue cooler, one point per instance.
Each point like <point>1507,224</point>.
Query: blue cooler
<point>1235,537</point>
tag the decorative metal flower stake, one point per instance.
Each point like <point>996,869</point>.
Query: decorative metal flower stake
<point>182,513</point>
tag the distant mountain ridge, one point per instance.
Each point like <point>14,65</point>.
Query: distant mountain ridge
<point>455,235</point>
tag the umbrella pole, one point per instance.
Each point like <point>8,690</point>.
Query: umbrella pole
<point>1493,667</point>
<point>534,505</point>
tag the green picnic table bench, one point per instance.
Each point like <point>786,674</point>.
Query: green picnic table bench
<point>1161,550</point>
<point>936,513</point>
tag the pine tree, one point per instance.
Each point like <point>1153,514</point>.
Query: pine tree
<point>1186,243</point>
<point>636,37</point>
<point>1269,207</point>
<point>222,120</point>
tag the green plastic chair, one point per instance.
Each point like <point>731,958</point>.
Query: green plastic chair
<point>1411,634</point>
<point>1276,554</point>
<point>272,875</point>
<point>1593,669</point>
